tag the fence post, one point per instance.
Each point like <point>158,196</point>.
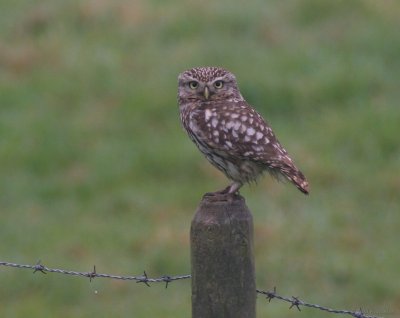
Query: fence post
<point>223,275</point>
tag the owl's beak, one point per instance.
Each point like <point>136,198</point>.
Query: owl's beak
<point>206,92</point>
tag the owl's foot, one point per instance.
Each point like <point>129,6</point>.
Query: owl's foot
<point>219,193</point>
<point>234,188</point>
<point>225,194</point>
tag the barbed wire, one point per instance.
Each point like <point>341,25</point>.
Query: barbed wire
<point>38,267</point>
<point>295,302</point>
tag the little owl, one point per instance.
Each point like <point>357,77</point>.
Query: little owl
<point>229,132</point>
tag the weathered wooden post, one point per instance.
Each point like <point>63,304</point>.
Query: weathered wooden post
<point>223,276</point>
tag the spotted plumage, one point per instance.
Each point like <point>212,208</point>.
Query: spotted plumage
<point>229,132</point>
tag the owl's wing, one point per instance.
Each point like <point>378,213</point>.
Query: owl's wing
<point>234,129</point>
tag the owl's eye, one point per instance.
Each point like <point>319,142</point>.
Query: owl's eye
<point>193,84</point>
<point>218,84</point>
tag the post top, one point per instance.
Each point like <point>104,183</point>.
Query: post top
<point>222,198</point>
<point>221,209</point>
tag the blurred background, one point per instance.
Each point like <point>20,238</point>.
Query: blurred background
<point>96,169</point>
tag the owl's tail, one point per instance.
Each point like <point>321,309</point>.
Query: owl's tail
<point>291,173</point>
<point>298,179</point>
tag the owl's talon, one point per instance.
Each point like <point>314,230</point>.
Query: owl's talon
<point>219,192</point>
<point>227,194</point>
<point>215,197</point>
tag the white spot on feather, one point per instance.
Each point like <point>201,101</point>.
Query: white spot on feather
<point>207,114</point>
<point>214,122</point>
<point>259,135</point>
<point>250,131</point>
<point>230,124</point>
<point>258,148</point>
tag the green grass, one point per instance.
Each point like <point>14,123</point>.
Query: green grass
<point>95,168</point>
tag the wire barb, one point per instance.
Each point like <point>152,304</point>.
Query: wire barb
<point>92,274</point>
<point>39,268</point>
<point>167,280</point>
<point>359,314</point>
<point>271,294</point>
<point>144,279</point>
<point>295,303</point>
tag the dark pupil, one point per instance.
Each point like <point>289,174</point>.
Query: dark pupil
<point>218,84</point>
<point>193,84</point>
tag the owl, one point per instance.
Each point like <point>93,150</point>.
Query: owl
<point>230,133</point>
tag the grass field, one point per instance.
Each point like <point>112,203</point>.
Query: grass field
<point>95,168</point>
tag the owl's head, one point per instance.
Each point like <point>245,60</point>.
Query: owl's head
<point>207,84</point>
